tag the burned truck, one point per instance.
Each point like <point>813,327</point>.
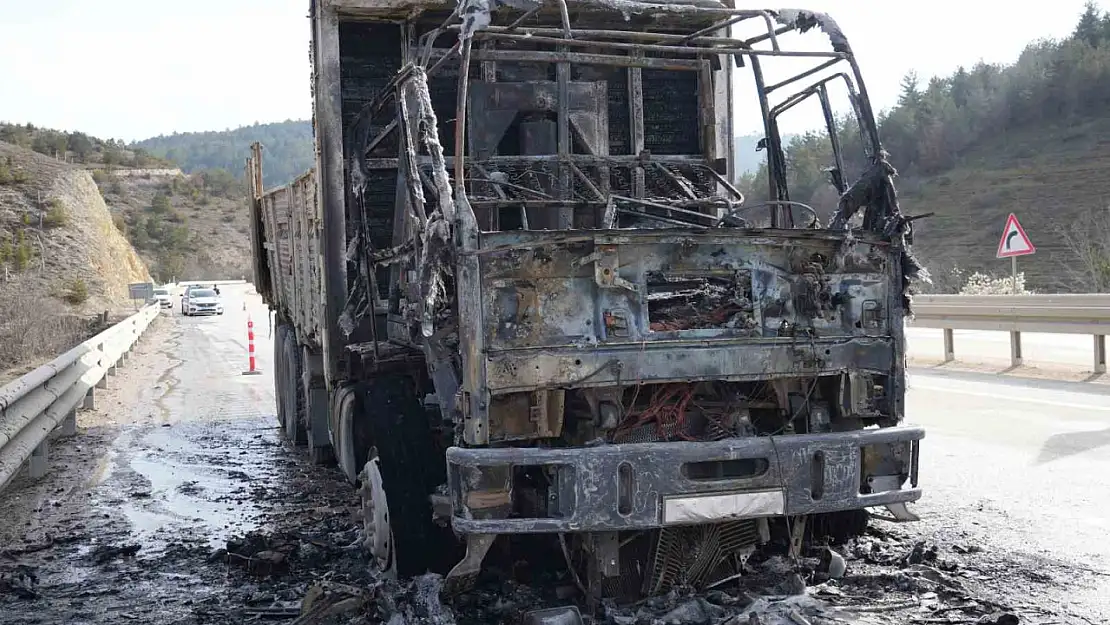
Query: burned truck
<point>521,299</point>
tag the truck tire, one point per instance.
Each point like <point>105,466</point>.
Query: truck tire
<point>410,466</point>
<point>279,371</point>
<point>287,385</point>
<point>345,411</point>
<point>295,429</point>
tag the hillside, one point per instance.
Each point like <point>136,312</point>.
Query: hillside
<point>184,227</point>
<point>182,224</point>
<point>61,257</point>
<point>77,147</point>
<point>1053,177</point>
<point>288,149</point>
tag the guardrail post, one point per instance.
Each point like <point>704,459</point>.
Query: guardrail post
<point>103,382</point>
<point>68,426</point>
<point>38,462</point>
<point>1015,349</point>
<point>88,404</point>
<point>1100,353</point>
<point>949,345</point>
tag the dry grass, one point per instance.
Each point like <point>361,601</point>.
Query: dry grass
<point>31,333</point>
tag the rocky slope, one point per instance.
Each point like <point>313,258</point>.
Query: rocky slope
<point>61,257</point>
<point>183,226</point>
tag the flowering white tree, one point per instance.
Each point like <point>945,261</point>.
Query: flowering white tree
<point>983,284</point>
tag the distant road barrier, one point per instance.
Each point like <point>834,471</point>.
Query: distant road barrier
<point>48,398</point>
<point>204,282</point>
<point>1056,314</point>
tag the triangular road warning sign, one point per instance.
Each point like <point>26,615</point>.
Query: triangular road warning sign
<point>1014,241</point>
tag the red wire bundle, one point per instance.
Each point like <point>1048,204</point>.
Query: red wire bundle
<point>667,407</point>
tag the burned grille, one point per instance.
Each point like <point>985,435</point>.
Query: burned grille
<point>700,555</point>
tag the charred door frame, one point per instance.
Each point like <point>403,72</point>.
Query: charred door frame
<point>327,113</point>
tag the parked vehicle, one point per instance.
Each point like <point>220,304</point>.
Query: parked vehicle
<point>203,301</point>
<point>185,298</point>
<point>162,296</point>
<point>531,301</point>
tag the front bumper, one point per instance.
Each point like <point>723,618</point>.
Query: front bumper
<point>206,311</point>
<point>651,485</point>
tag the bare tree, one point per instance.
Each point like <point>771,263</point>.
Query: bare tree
<point>1087,237</point>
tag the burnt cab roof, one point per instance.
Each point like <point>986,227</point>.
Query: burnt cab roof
<point>616,14</point>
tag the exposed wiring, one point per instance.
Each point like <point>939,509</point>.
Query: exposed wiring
<point>570,565</point>
<point>666,410</point>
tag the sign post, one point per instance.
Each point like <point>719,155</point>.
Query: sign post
<point>1014,243</point>
<point>141,291</point>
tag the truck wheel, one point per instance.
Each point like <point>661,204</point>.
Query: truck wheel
<point>295,429</point>
<point>287,385</point>
<point>279,371</point>
<point>399,472</point>
<point>350,454</point>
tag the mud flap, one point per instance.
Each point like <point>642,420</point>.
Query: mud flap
<point>901,512</point>
<point>462,577</point>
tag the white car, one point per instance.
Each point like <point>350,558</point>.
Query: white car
<point>185,298</point>
<point>162,296</point>
<point>202,302</point>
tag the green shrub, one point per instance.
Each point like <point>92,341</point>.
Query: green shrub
<point>77,292</point>
<point>56,215</point>
<point>22,257</point>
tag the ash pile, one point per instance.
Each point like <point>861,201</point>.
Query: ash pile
<point>880,578</point>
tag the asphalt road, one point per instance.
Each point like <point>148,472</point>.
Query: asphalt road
<point>1021,467</point>
<point>1017,459</point>
<point>183,453</point>
<point>177,457</point>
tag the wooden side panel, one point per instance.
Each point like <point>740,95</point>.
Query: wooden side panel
<point>291,239</point>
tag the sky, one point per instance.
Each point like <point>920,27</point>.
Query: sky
<point>132,69</point>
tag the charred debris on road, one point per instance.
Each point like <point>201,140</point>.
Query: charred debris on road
<point>534,265</point>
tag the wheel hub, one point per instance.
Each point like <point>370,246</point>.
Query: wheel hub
<point>377,537</point>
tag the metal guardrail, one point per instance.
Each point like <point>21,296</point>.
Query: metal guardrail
<point>38,403</point>
<point>1056,314</point>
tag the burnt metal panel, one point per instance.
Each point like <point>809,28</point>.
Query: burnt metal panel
<point>607,288</point>
<point>678,360</point>
<point>328,121</point>
<point>587,481</point>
